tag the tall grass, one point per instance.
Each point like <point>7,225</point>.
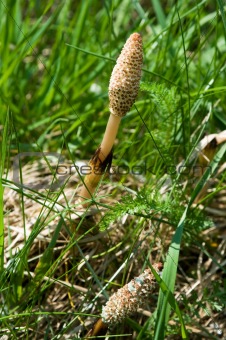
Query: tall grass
<point>57,270</point>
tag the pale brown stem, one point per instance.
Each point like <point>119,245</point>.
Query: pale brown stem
<point>97,162</point>
<point>99,328</point>
<point>109,136</point>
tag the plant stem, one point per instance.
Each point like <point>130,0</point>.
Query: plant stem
<point>101,159</point>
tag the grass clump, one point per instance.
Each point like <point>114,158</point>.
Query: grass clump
<point>164,201</point>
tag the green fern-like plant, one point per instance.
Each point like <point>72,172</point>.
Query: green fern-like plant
<point>152,205</point>
<point>144,204</point>
<point>166,119</point>
<point>165,99</point>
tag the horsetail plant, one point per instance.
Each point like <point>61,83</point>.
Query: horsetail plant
<point>123,90</point>
<point>127,300</point>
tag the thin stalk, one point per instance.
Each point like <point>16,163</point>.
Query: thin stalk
<point>101,159</point>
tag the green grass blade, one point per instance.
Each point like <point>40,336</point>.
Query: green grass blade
<point>169,298</point>
<point>221,5</point>
<point>159,12</point>
<point>91,53</point>
<point>2,167</point>
<point>169,277</point>
<point>45,263</point>
<point>208,173</point>
<point>170,266</point>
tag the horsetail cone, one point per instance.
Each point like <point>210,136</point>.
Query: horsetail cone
<point>125,77</point>
<point>126,301</point>
<point>123,90</point>
<point>129,298</point>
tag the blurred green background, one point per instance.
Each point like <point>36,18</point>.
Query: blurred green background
<point>57,94</point>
